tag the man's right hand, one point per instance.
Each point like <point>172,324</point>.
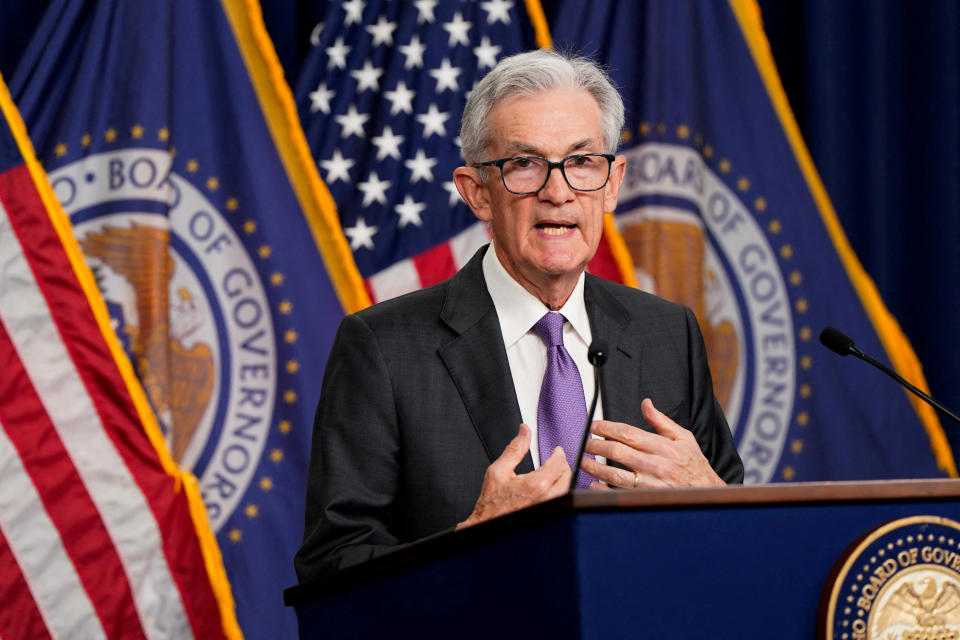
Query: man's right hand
<point>504,490</point>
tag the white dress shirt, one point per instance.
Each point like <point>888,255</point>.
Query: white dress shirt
<point>518,311</point>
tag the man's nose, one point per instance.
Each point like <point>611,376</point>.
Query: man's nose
<point>556,190</point>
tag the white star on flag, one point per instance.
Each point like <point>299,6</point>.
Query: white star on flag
<point>451,188</point>
<point>401,99</point>
<point>382,32</point>
<point>497,10</point>
<point>320,99</point>
<point>374,190</point>
<point>433,122</point>
<point>421,167</point>
<point>338,54</point>
<point>413,53</point>
<point>425,10</point>
<point>409,212</point>
<point>387,144</point>
<point>457,28</point>
<point>368,77</point>
<point>354,9</point>
<point>486,53</point>
<point>381,106</point>
<point>360,235</point>
<point>446,76</point>
<point>352,122</point>
<point>337,167</point>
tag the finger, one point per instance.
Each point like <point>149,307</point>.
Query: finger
<point>609,428</point>
<point>552,478</point>
<point>623,432</point>
<point>599,486</point>
<point>613,476</point>
<point>659,421</point>
<point>594,468</point>
<point>556,465</point>
<point>617,477</point>
<point>613,450</point>
<point>561,484</point>
<point>516,449</point>
<point>645,464</point>
<point>590,465</point>
<point>633,437</point>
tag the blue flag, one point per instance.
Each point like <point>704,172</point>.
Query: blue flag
<point>722,210</point>
<point>172,142</point>
<point>380,96</point>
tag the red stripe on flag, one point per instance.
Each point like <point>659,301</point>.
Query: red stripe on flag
<point>435,265</point>
<point>19,616</point>
<point>603,263</point>
<point>72,511</point>
<point>102,379</point>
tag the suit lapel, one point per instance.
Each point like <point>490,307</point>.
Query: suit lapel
<point>608,321</point>
<point>477,361</point>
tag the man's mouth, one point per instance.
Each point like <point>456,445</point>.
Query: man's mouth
<point>554,228</point>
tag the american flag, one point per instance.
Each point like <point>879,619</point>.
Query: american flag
<point>380,97</point>
<point>101,536</point>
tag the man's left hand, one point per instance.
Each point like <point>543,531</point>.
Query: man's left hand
<point>670,457</point>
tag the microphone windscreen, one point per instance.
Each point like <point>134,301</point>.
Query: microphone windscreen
<point>836,340</point>
<point>597,353</point>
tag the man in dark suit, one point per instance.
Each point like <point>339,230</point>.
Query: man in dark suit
<point>417,427</point>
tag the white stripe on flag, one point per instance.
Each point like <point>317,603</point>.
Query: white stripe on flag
<point>465,244</point>
<point>35,543</point>
<point>122,506</point>
<point>397,279</point>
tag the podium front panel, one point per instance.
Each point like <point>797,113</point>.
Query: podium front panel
<point>674,568</point>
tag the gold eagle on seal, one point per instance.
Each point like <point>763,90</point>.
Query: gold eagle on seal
<point>671,255</point>
<point>928,611</point>
<point>178,381</point>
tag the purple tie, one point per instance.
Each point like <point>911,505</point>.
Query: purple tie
<point>562,411</point>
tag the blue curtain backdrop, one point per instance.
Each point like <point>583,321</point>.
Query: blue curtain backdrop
<point>876,90</point>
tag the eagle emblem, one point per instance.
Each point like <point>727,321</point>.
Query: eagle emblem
<point>178,380</point>
<point>669,256</point>
<point>928,612</point>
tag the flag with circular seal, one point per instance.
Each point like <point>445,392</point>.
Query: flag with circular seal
<point>101,534</point>
<point>722,210</point>
<point>172,142</point>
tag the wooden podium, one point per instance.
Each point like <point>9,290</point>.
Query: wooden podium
<point>733,562</point>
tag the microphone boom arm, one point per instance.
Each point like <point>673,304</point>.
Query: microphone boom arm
<point>896,376</point>
<point>586,429</point>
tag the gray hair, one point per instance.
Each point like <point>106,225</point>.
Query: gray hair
<point>525,74</point>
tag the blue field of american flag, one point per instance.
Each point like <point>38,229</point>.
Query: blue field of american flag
<point>380,98</point>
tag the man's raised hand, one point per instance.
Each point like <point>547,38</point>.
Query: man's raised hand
<point>504,490</point>
<point>670,457</point>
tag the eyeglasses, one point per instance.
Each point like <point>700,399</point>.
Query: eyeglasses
<point>524,175</point>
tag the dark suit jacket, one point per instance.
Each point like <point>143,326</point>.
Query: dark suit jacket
<point>418,400</point>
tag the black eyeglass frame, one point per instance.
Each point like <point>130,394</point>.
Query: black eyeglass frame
<point>609,157</point>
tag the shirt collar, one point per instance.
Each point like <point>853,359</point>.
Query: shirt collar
<point>518,309</point>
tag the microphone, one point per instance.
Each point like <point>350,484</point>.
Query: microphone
<point>596,355</point>
<point>840,343</point>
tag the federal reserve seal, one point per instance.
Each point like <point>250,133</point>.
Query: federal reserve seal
<point>902,582</point>
<point>694,240</point>
<point>189,307</point>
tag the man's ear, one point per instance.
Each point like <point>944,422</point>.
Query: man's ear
<point>610,192</point>
<point>473,191</point>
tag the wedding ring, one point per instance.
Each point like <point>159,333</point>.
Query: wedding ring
<point>636,480</point>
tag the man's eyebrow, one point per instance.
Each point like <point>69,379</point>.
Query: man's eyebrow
<point>520,147</point>
<point>583,144</point>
